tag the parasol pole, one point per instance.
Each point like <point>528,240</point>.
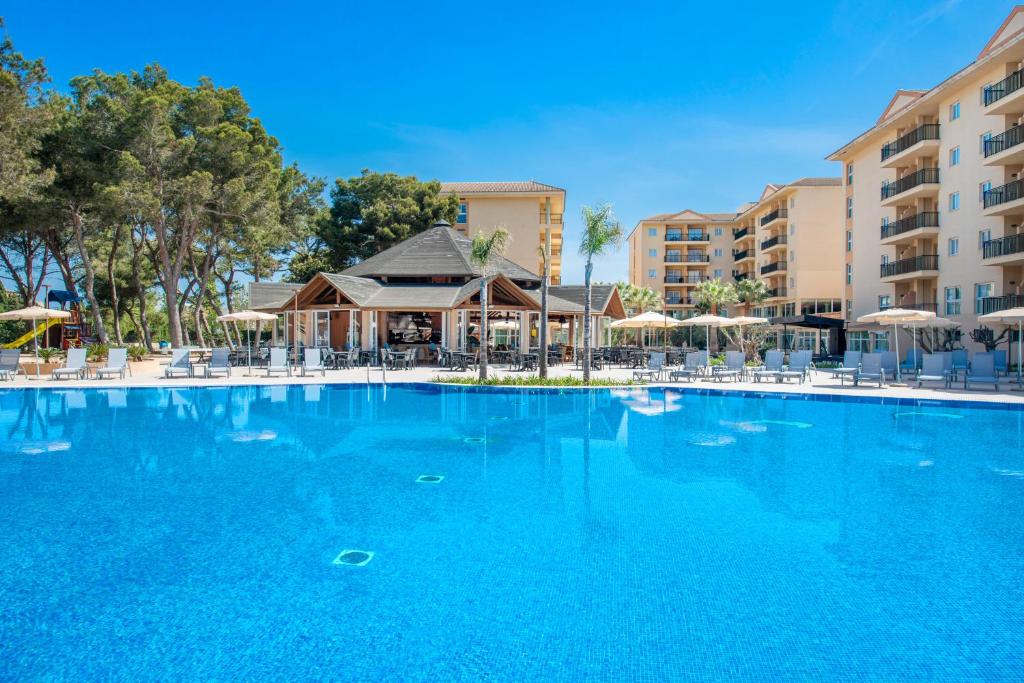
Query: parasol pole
<point>35,344</point>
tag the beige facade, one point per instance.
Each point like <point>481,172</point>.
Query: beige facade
<point>792,238</point>
<point>935,194</point>
<point>673,253</point>
<point>526,209</point>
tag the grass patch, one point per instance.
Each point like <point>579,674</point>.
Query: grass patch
<point>531,381</point>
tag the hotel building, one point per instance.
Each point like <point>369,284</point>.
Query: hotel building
<point>934,197</point>
<point>525,209</point>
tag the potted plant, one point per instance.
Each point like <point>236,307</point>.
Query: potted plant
<point>49,360</point>
<point>96,355</point>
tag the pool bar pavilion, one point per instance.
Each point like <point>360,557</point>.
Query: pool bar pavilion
<point>423,294</point>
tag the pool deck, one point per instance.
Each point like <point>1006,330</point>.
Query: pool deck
<point>149,373</point>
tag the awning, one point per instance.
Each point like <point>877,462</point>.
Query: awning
<point>815,321</point>
<point>62,297</point>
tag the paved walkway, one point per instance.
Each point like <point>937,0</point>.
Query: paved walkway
<point>150,373</point>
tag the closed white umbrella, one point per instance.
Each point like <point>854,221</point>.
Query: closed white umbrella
<point>708,321</point>
<point>247,317</point>
<point>35,313</point>
<point>1008,317</point>
<point>897,317</point>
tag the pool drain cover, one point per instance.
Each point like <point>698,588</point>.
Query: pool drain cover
<point>429,479</point>
<point>473,439</point>
<point>354,558</point>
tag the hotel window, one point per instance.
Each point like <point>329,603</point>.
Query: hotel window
<point>652,232</point>
<point>718,273</point>
<point>881,341</point>
<point>954,111</point>
<point>849,207</point>
<point>985,137</point>
<point>463,216</point>
<point>718,232</point>
<point>849,274</point>
<point>981,292</point>
<point>884,302</point>
<point>983,236</point>
<point>954,246</point>
<point>792,256</point>
<point>954,201</point>
<point>792,228</point>
<point>954,156</point>
<point>849,174</point>
<point>885,259</point>
<point>952,301</point>
<point>653,253</point>
<point>792,202</point>
<point>652,273</point>
<point>788,309</point>
<point>849,240</point>
<point>859,341</point>
<point>983,188</point>
<point>718,252</point>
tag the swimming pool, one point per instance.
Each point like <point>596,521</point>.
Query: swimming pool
<point>641,534</point>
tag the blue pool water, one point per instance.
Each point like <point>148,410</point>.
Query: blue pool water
<point>642,535</point>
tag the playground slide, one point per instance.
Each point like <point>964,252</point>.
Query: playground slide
<point>27,337</point>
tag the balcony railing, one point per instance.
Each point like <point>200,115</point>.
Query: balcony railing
<point>740,255</point>
<point>769,243</point>
<point>926,131</point>
<point>1004,193</point>
<point>673,237</point>
<point>1003,246</point>
<point>910,181</point>
<point>1005,140</point>
<point>777,213</point>
<point>933,307</point>
<point>925,219</point>
<point>777,292</point>
<point>773,267</point>
<point>1008,85</point>
<point>742,232</point>
<point>673,279</point>
<point>991,304</point>
<point>673,258</point>
<point>740,276</point>
<point>556,219</point>
<point>697,258</point>
<point>673,300</point>
<point>688,237</point>
<point>910,265</point>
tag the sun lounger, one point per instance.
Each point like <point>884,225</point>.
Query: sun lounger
<point>933,369</point>
<point>959,361</point>
<point>849,368</point>
<point>889,364</point>
<point>117,364</point>
<point>1001,366</point>
<point>654,368</point>
<point>983,371</point>
<point>10,361</point>
<point>772,368</point>
<point>180,365</point>
<point>220,363</point>
<point>278,362</point>
<point>311,362</point>
<point>799,366</point>
<point>74,365</point>
<point>870,370</point>
<point>734,368</point>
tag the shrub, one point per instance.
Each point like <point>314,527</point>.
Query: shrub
<point>531,381</point>
<point>97,352</point>
<point>48,353</point>
<point>137,352</point>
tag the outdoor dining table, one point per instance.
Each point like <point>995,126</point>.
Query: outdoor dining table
<point>462,360</point>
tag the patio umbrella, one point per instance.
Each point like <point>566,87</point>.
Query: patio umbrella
<point>246,317</point>
<point>1008,317</point>
<point>35,313</point>
<point>937,324</point>
<point>647,320</point>
<point>897,317</point>
<point>708,321</point>
<point>742,321</point>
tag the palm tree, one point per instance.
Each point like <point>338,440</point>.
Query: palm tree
<point>714,295</point>
<point>643,299</point>
<point>750,293</point>
<point>601,230</point>
<point>484,252</point>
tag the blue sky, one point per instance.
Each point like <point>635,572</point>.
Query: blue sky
<point>654,107</point>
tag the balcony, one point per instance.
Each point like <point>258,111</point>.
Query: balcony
<point>922,182</point>
<point>925,265</point>
<point>1005,149</point>
<point>677,236</point>
<point>556,218</point>
<point>740,275</point>
<point>742,255</point>
<point>991,304</point>
<point>923,224</point>
<point>777,293</point>
<point>697,258</point>
<point>777,241</point>
<point>673,258</point>
<point>776,267</point>
<point>673,279</point>
<point>1006,96</point>
<point>741,233</point>
<point>923,141</point>
<point>1004,200</point>
<point>1004,251</point>
<point>777,214</point>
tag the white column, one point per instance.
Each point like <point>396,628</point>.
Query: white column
<point>524,331</point>
<point>373,330</point>
<point>444,329</point>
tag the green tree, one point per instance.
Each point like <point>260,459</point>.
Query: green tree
<point>750,293</point>
<point>374,211</point>
<point>485,251</point>
<point>601,232</point>
<point>712,296</point>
